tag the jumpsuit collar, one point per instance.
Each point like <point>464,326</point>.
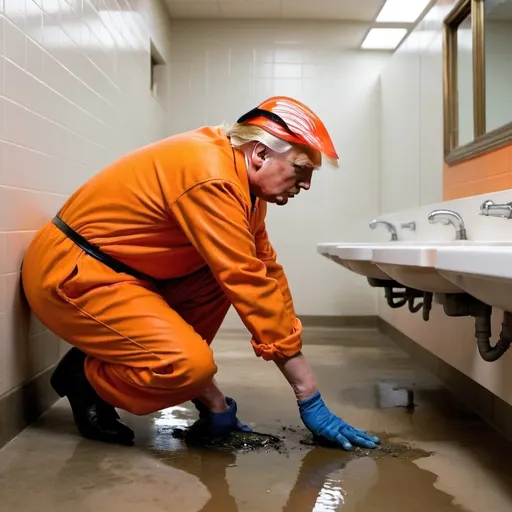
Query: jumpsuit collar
<point>243,176</point>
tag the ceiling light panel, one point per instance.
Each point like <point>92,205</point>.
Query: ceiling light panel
<point>402,11</point>
<point>383,38</point>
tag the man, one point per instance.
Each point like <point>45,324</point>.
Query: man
<point>139,268</point>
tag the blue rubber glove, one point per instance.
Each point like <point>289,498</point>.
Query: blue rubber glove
<point>220,424</point>
<point>324,424</point>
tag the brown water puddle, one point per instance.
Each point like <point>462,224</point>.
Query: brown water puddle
<point>365,379</point>
<point>297,476</point>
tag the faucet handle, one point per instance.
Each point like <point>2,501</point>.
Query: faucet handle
<point>484,207</point>
<point>490,208</point>
<point>409,225</point>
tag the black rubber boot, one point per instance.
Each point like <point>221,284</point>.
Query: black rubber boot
<point>94,418</point>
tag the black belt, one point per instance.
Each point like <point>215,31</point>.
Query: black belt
<point>97,253</point>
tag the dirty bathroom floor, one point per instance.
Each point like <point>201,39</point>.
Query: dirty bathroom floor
<point>456,462</point>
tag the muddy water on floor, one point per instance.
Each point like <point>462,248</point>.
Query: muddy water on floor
<point>455,462</point>
<point>298,478</point>
<point>372,384</point>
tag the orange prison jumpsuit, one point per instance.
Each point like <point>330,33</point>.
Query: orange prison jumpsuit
<point>178,210</point>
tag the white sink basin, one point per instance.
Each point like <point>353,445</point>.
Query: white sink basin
<point>415,266</point>
<point>324,248</point>
<point>483,271</point>
<point>358,258</point>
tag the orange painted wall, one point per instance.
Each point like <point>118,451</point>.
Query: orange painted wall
<point>491,172</point>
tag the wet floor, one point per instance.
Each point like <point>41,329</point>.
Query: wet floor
<point>446,459</point>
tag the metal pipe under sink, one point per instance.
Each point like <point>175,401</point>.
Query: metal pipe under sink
<point>462,304</point>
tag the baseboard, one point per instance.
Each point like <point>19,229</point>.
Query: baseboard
<point>319,321</point>
<point>24,404</point>
<point>492,409</point>
<point>340,322</point>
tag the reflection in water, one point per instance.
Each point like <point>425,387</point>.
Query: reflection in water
<point>331,496</point>
<point>206,465</point>
<point>177,416</point>
<point>322,487</point>
<point>210,468</point>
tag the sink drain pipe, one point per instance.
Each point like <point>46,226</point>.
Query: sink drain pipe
<point>483,336</point>
<point>457,305</point>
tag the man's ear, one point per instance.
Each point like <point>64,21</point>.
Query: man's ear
<point>259,153</point>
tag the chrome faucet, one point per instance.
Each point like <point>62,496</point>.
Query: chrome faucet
<point>449,217</point>
<point>390,227</point>
<point>491,209</point>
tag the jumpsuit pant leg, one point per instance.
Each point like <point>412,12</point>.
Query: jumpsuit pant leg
<point>173,330</point>
<point>145,352</point>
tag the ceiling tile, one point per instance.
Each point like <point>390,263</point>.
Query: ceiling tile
<point>350,10</point>
<point>250,9</point>
<point>191,9</point>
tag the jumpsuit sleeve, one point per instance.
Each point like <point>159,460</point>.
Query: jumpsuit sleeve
<point>214,217</point>
<point>267,254</point>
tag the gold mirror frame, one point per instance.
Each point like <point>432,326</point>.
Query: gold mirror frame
<point>483,142</point>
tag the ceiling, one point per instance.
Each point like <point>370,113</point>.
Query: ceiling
<point>346,10</point>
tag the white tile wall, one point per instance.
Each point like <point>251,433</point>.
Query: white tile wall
<point>74,95</point>
<point>222,69</point>
<point>412,117</point>
<point>400,126</point>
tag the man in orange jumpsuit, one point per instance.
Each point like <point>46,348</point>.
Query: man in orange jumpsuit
<point>140,266</point>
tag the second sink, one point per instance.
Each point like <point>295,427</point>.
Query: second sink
<point>414,266</point>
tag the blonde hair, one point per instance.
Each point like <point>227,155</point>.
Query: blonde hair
<point>241,134</point>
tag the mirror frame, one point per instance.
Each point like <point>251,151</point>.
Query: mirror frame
<point>483,142</point>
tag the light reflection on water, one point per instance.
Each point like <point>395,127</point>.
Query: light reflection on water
<point>177,416</point>
<point>330,497</point>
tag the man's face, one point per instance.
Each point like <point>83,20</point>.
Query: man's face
<point>279,177</point>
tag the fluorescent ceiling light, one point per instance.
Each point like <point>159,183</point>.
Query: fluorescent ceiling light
<point>402,11</point>
<point>383,38</point>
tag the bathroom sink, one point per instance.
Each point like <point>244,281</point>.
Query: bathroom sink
<point>353,256</point>
<point>358,259</point>
<point>483,271</point>
<point>327,250</point>
<point>324,248</point>
<point>414,266</point>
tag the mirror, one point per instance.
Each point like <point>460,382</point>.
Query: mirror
<point>458,59</point>
<point>477,73</point>
<point>464,72</point>
<point>498,63</point>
